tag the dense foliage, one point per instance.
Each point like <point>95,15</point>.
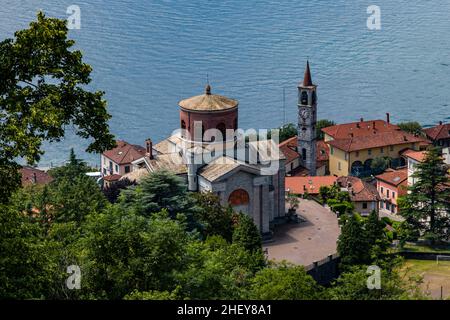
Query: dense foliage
<point>323,124</point>
<point>42,91</point>
<point>412,127</point>
<point>426,206</point>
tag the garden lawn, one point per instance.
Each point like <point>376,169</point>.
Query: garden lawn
<point>434,276</point>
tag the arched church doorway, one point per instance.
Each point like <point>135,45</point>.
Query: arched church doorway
<point>239,200</point>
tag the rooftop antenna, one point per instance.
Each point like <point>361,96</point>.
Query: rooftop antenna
<point>284,106</point>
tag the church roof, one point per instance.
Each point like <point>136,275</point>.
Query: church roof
<point>208,102</point>
<point>172,162</point>
<point>136,175</point>
<point>307,80</point>
<point>218,168</point>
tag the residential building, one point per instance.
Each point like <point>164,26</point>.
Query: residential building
<point>354,146</point>
<point>391,185</point>
<point>118,161</point>
<point>413,158</point>
<point>289,148</point>
<point>446,156</point>
<point>308,185</point>
<point>439,135</point>
<point>363,195</point>
<point>32,176</point>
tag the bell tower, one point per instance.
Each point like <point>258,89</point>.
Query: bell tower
<point>307,118</point>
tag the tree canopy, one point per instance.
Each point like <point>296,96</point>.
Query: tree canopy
<point>426,206</point>
<point>42,91</point>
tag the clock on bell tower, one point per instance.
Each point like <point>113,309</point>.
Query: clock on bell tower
<point>307,118</point>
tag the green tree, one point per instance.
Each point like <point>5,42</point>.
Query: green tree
<point>74,199</point>
<point>217,270</point>
<point>352,285</point>
<point>323,124</point>
<point>284,282</point>
<point>112,191</point>
<point>157,191</point>
<point>412,127</point>
<point>287,131</point>
<point>379,165</point>
<point>214,218</point>
<point>246,233</point>
<point>122,252</point>
<point>152,295</point>
<point>375,235</point>
<point>352,245</point>
<point>29,266</point>
<point>426,208</point>
<point>74,167</point>
<point>42,91</point>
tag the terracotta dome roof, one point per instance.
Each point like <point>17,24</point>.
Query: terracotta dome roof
<point>208,102</point>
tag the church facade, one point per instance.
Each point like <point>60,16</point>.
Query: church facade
<point>212,154</point>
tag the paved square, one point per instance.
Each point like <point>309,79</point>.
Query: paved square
<point>306,242</point>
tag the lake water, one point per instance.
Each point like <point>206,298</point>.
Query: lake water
<point>148,55</point>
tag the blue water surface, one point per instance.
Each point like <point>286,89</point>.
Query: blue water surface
<point>148,55</point>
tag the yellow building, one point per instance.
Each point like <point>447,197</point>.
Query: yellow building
<point>353,146</point>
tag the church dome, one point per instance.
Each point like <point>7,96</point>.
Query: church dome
<point>208,102</point>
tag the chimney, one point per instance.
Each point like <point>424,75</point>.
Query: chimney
<point>405,138</point>
<point>358,126</point>
<point>440,123</point>
<point>388,117</point>
<point>373,125</point>
<point>34,178</point>
<point>351,134</point>
<point>362,119</point>
<point>149,148</point>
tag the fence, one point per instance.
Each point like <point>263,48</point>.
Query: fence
<point>325,270</point>
<point>421,255</point>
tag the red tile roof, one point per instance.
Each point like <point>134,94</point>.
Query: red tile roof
<point>394,177</point>
<point>381,139</point>
<point>415,155</point>
<point>441,131</point>
<point>113,177</point>
<point>359,129</point>
<point>32,175</point>
<point>289,147</point>
<point>298,185</point>
<point>359,190</point>
<point>125,152</point>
